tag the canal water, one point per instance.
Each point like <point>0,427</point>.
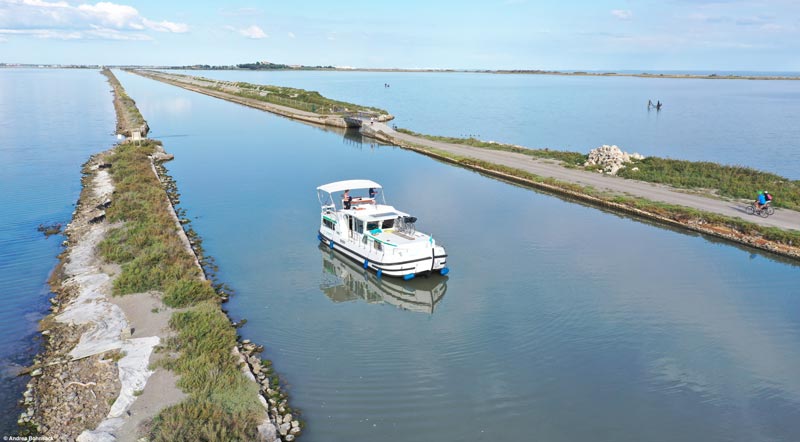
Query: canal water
<point>51,121</point>
<point>739,122</point>
<point>558,321</point>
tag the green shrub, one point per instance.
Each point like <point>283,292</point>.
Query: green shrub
<point>729,181</point>
<point>570,159</point>
<point>185,292</point>
<point>202,420</point>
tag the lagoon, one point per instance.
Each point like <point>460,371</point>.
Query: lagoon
<point>739,122</point>
<point>51,121</point>
<point>558,321</point>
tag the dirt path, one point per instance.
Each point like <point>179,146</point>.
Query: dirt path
<point>783,218</point>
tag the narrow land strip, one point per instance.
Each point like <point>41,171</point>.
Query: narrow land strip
<point>138,345</point>
<point>687,209</point>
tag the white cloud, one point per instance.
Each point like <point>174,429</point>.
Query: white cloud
<point>97,33</point>
<point>166,26</point>
<point>622,14</point>
<point>62,20</point>
<point>112,15</point>
<point>291,35</point>
<point>253,32</point>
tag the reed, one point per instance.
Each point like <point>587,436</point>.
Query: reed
<point>223,403</point>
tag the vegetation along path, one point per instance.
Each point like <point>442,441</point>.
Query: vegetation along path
<point>704,197</point>
<point>783,218</point>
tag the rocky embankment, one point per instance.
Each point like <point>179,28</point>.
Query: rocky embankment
<point>282,424</point>
<point>102,374</point>
<point>92,364</point>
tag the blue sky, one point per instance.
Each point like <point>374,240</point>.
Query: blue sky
<point>753,35</point>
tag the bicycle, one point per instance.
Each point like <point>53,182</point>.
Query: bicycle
<point>765,210</point>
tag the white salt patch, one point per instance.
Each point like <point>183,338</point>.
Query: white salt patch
<point>133,375</point>
<point>105,321</point>
<point>133,371</point>
<point>103,186</point>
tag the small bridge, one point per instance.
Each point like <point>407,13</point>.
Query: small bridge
<point>357,119</point>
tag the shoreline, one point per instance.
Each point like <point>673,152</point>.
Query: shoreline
<point>571,73</point>
<point>104,372</point>
<point>758,233</point>
<point>285,111</point>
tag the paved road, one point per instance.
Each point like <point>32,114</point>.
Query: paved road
<point>783,218</point>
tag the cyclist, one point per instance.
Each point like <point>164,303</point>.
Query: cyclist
<point>762,199</point>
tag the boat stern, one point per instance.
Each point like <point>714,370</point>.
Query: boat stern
<point>439,260</point>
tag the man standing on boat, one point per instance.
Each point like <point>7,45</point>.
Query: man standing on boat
<point>347,199</point>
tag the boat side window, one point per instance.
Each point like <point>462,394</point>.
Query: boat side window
<point>359,226</point>
<point>328,223</point>
<point>388,223</point>
<point>372,225</point>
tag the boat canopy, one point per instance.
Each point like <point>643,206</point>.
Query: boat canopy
<point>349,184</point>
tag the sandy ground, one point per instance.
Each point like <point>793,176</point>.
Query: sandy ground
<point>147,316</point>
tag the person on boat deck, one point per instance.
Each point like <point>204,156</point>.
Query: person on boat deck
<point>372,193</point>
<point>347,199</point>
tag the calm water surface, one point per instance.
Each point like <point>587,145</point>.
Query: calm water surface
<point>51,121</point>
<point>738,122</point>
<point>558,322</point>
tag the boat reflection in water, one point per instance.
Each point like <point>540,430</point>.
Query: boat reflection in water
<point>344,280</point>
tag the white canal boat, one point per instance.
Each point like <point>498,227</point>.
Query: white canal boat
<point>356,221</point>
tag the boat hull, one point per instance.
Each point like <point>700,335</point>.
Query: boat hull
<point>428,260</point>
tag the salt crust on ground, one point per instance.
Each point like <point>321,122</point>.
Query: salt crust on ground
<point>106,322</point>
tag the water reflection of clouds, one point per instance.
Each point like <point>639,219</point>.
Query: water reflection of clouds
<point>659,286</point>
<point>690,303</point>
<point>175,106</point>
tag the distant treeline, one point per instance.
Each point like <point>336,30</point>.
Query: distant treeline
<point>272,66</point>
<point>257,66</point>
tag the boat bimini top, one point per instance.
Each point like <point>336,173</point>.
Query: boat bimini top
<point>341,186</point>
<point>325,192</point>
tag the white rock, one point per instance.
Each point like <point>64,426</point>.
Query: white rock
<point>610,158</point>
